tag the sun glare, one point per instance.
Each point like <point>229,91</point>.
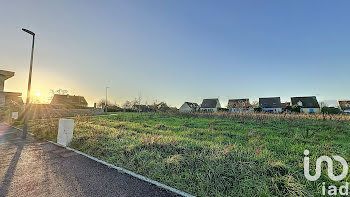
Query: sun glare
<point>37,94</point>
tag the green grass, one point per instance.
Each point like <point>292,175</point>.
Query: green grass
<point>208,155</point>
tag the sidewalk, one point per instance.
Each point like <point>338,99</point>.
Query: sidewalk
<point>36,168</point>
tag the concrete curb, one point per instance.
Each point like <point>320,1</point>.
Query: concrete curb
<point>120,169</point>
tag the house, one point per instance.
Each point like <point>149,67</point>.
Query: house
<point>69,101</point>
<point>8,97</point>
<point>239,105</point>
<point>345,106</point>
<point>272,104</point>
<point>210,105</point>
<point>189,107</point>
<point>308,104</point>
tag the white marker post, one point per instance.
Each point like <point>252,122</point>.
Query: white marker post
<point>65,131</point>
<point>14,115</point>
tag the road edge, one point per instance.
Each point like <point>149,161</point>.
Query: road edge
<point>120,169</point>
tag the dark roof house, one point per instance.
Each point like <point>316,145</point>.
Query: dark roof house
<point>238,103</point>
<point>305,102</point>
<point>192,105</point>
<point>69,100</point>
<point>272,102</point>
<point>210,103</point>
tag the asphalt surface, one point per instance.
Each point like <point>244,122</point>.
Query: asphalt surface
<point>37,168</point>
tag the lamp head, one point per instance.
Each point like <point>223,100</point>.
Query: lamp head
<point>29,32</point>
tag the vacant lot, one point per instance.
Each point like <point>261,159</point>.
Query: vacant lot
<point>211,155</point>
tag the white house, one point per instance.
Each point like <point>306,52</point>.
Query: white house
<point>210,105</point>
<point>189,107</point>
<point>272,104</point>
<point>239,105</point>
<point>308,104</point>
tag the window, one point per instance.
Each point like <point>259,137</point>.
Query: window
<point>274,104</point>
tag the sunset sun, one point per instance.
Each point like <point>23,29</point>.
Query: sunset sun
<point>37,94</point>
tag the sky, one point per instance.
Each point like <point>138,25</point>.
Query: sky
<point>176,51</point>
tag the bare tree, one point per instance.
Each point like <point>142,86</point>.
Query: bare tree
<point>102,102</point>
<point>60,91</point>
<point>127,105</point>
<point>255,104</point>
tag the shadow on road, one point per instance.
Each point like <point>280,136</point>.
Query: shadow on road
<point>11,170</point>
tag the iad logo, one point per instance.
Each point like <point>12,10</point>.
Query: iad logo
<point>329,165</point>
<point>332,189</point>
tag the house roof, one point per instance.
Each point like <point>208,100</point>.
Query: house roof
<point>209,103</point>
<point>192,105</point>
<point>344,105</point>
<point>7,74</point>
<point>59,99</point>
<point>238,103</point>
<point>306,101</point>
<point>271,102</point>
<point>12,93</point>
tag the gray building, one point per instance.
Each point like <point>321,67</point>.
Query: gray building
<point>8,97</point>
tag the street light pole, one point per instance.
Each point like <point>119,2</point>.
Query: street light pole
<point>106,99</point>
<point>25,124</point>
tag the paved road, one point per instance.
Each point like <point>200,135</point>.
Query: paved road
<point>36,168</point>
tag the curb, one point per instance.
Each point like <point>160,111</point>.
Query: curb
<point>120,169</point>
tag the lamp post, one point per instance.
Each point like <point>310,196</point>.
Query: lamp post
<point>25,124</point>
<point>106,99</point>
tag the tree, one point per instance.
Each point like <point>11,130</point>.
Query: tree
<point>127,105</point>
<point>102,102</point>
<point>296,108</point>
<point>58,91</point>
<point>255,104</point>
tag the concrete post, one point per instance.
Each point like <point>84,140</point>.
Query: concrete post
<point>65,131</point>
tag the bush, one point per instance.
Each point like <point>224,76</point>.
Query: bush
<point>330,110</point>
<point>296,108</point>
<point>258,109</point>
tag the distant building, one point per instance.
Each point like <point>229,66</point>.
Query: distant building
<point>345,106</point>
<point>189,107</point>
<point>69,101</point>
<point>272,104</point>
<point>239,105</point>
<point>210,105</point>
<point>8,97</point>
<point>308,104</point>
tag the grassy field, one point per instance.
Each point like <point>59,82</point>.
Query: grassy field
<point>212,155</point>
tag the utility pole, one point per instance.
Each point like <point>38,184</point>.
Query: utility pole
<point>26,109</point>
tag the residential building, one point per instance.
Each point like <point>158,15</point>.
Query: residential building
<point>8,97</point>
<point>271,104</point>
<point>69,101</point>
<point>345,106</point>
<point>239,105</point>
<point>308,104</point>
<point>210,105</point>
<point>189,107</point>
